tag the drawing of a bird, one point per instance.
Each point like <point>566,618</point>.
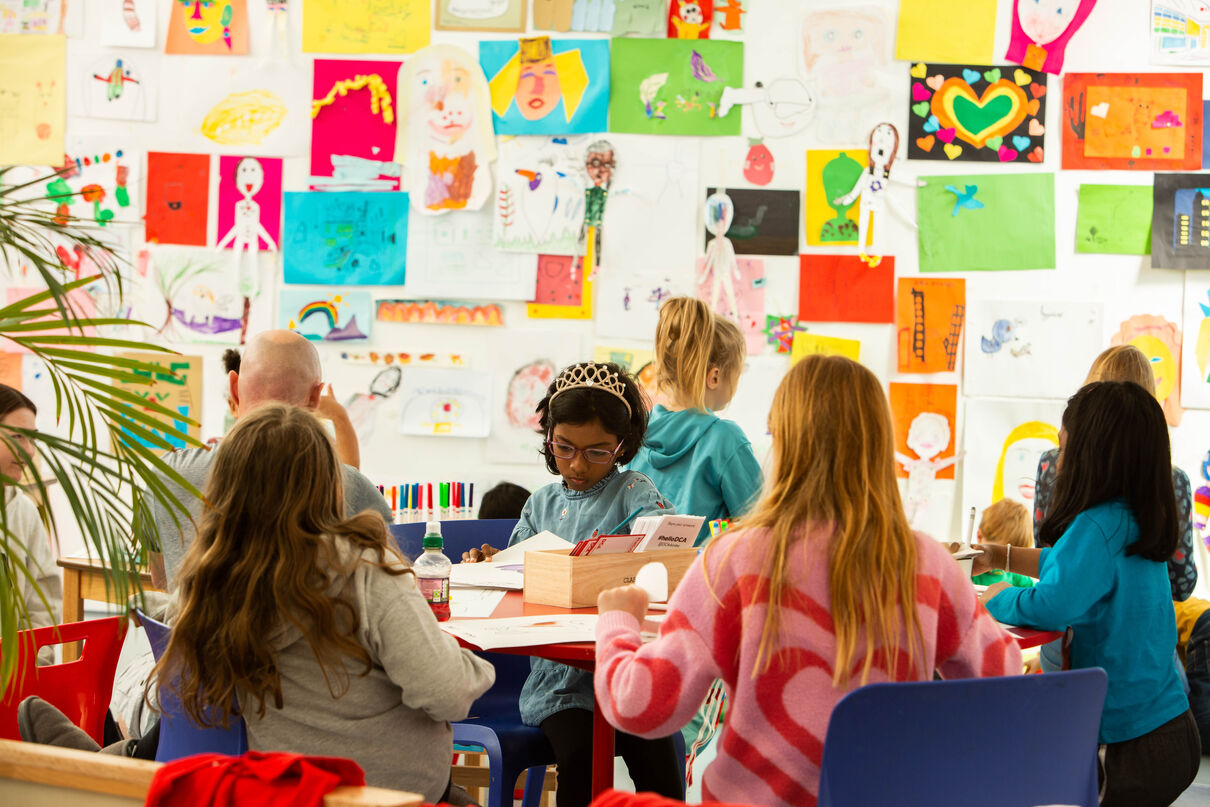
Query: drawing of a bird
<point>701,70</point>
<point>533,177</point>
<point>966,199</point>
<point>649,88</point>
<point>1002,334</point>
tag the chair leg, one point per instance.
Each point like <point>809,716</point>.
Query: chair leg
<point>535,778</point>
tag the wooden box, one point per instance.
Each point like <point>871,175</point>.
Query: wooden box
<point>553,577</point>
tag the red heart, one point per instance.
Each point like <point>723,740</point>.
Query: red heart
<point>946,135</point>
<point>1007,155</point>
<point>925,143</point>
<point>1032,109</point>
<point>1035,156</point>
<point>1037,89</point>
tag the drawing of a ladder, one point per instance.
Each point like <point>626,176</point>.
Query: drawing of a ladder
<point>951,341</point>
<point>918,324</point>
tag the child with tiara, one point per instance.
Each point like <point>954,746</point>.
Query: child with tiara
<point>593,420</point>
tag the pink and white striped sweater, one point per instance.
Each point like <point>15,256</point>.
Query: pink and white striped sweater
<point>772,745</point>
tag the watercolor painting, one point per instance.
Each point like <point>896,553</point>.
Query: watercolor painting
<point>439,312</point>
<point>178,198</point>
<point>384,26</point>
<point>539,205</point>
<point>324,316</point>
<point>541,85</point>
<point>208,28</point>
<point>202,300</point>
<point>674,86</point>
<point>353,117</point>
<point>1160,341</point>
<point>1041,30</point>
<point>929,315</point>
<point>244,118</point>
<point>343,239</point>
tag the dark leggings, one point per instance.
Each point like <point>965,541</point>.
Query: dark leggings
<point>652,764</point>
<point>147,744</point>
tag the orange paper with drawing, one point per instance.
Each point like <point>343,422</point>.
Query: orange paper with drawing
<point>812,344</point>
<point>217,28</point>
<point>925,417</point>
<point>1133,122</point>
<point>929,314</point>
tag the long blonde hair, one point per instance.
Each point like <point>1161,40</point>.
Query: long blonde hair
<point>690,340</point>
<point>834,463</point>
<point>261,561</point>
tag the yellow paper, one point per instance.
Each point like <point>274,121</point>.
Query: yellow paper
<point>831,173</point>
<point>954,31</point>
<point>1120,122</point>
<point>33,101</point>
<point>811,344</point>
<point>356,26</point>
<point>553,311</point>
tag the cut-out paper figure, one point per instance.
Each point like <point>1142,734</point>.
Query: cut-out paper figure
<point>928,436</point>
<point>1003,332</point>
<point>845,53</point>
<point>1160,341</point>
<point>872,187</point>
<point>781,108</point>
<point>965,198</point>
<point>538,81</point>
<point>758,163</point>
<point>690,19</point>
<point>247,232</point>
<point>446,141</point>
<point>732,12</point>
<point>720,253</point>
<point>1016,472</point>
<point>599,163</point>
<point>1041,30</point>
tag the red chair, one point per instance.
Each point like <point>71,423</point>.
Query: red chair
<point>81,689</point>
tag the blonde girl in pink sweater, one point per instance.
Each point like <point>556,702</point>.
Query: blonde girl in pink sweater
<point>823,588</point>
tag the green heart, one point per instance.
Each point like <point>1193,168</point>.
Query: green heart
<point>994,143</point>
<point>992,75</point>
<point>975,118</point>
<point>921,109</point>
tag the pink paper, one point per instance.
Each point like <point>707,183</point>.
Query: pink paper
<point>268,198</point>
<point>1052,26</point>
<point>749,297</point>
<point>349,125</point>
<point>83,304</point>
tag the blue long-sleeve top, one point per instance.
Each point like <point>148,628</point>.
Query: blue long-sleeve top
<point>1120,608</point>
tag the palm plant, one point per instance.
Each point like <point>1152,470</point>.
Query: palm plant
<point>108,466</point>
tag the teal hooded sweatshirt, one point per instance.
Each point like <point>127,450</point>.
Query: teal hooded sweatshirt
<point>703,463</point>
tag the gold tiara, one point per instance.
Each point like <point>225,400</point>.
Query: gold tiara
<point>591,375</point>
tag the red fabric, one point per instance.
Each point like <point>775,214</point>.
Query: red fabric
<point>266,780</point>
<point>616,798</point>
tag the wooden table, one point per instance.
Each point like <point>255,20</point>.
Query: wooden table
<point>88,579</point>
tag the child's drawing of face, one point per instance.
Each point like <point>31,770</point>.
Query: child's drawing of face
<point>720,212</point>
<point>928,435</point>
<point>1021,468</point>
<point>1044,21</point>
<point>249,177</point>
<point>1162,362</point>
<point>599,165</point>
<point>538,90</point>
<point>690,12</point>
<point>882,144</point>
<point>449,107</point>
<point>786,110</point>
<point>833,38</point>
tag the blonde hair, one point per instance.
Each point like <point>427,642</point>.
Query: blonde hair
<point>834,464</point>
<point>690,340</point>
<point>1007,522</point>
<point>1123,363</point>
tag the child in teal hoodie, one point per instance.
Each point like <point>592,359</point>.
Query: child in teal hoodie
<point>703,463</point>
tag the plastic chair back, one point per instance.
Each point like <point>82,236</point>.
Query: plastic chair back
<point>966,741</point>
<point>179,737</point>
<point>80,689</point>
<point>460,535</point>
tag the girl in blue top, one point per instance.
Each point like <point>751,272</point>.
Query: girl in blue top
<point>594,420</point>
<point>1112,526</point>
<point>703,463</point>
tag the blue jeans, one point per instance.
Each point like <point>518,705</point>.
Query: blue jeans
<point>1197,668</point>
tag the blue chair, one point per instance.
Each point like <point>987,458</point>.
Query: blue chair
<point>179,737</point>
<point>958,742</point>
<point>460,535</point>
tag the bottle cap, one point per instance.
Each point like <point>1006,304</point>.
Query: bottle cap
<point>432,536</point>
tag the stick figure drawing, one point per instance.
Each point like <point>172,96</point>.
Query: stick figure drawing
<point>247,228</point>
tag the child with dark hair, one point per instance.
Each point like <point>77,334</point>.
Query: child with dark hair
<point>594,420</point>
<point>1112,526</point>
<point>505,500</point>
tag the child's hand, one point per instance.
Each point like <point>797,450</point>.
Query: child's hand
<point>328,407</point>
<point>631,599</point>
<point>482,554</point>
<point>992,558</point>
<point>992,591</point>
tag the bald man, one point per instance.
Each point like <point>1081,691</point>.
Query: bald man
<point>276,367</point>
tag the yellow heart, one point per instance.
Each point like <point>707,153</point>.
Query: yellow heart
<point>952,150</point>
<point>1021,77</point>
<point>919,70</point>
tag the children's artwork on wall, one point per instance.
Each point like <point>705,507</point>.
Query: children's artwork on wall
<point>599,164</point>
<point>1012,347</point>
<point>872,186</point>
<point>100,183</point>
<point>1003,442</point>
<point>452,256</point>
<point>729,14</point>
<point>353,114</point>
<point>81,301</point>
<point>344,239</point>
<point>128,23</point>
<point>780,331</point>
<point>987,222</point>
<point>325,316</point>
<point>814,344</point>
<point>33,16</point>
<point>544,86</point>
<point>929,315</point>
<point>582,16</point>
<point>1195,348</point>
<point>1178,32</point>
<point>439,312</point>
<point>744,300</point>
<point>638,18</point>
<point>525,362</point>
<point>202,300</point>
<point>1041,31</point>
<point>244,118</point>
<point>972,113</point>
<point>1180,227</point>
<point>249,213</point>
<point>719,264</point>
<point>844,288</point>
<point>388,26</point>
<point>539,206</point>
<point>564,289</point>
<point>629,299</point>
<point>446,403</point>
<point>115,87</point>
<point>957,31</point>
<point>1114,220</point>
<point>176,385</point>
<point>208,28</point>
<point>846,54</point>
<point>830,175</point>
<point>765,221</point>
<point>690,19</point>
<point>480,15</point>
<point>673,86</point>
<point>1139,121</point>
<point>33,99</point>
<point>1160,341</point>
<point>178,198</point>
<point>10,369</point>
<point>926,431</point>
<point>781,107</point>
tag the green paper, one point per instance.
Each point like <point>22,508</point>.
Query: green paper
<point>642,101</point>
<point>1007,224</point>
<point>1114,220</point>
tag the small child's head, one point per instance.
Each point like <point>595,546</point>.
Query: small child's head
<point>1123,363</point>
<point>593,418</point>
<point>231,361</point>
<point>505,500</point>
<point>698,354</point>
<point>1006,523</point>
<point>18,411</point>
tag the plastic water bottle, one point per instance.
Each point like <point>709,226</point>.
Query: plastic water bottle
<point>432,570</point>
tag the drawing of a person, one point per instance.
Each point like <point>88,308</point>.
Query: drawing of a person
<point>1016,472</point>
<point>537,79</point>
<point>844,52</point>
<point>1160,341</point>
<point>871,186</point>
<point>928,436</point>
<point>720,253</point>
<point>247,229</point>
<point>599,164</point>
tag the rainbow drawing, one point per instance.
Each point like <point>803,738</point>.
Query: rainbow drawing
<point>320,307</point>
<point>326,318</point>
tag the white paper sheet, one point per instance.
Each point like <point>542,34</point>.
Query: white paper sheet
<point>486,575</point>
<point>524,631</point>
<point>535,543</point>
<point>475,603</point>
<point>446,403</point>
<point>451,257</point>
<point>1004,440</point>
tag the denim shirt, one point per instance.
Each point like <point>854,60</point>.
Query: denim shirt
<point>573,515</point>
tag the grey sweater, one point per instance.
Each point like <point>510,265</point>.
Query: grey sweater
<point>394,721</point>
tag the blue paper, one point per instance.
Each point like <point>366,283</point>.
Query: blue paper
<point>574,80</point>
<point>326,315</point>
<point>348,238</point>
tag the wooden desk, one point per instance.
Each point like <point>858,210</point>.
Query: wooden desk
<point>88,579</point>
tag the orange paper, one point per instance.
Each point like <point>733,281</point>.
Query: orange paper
<point>929,315</point>
<point>921,436</point>
<point>216,28</point>
<point>1134,122</point>
<point>10,370</point>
